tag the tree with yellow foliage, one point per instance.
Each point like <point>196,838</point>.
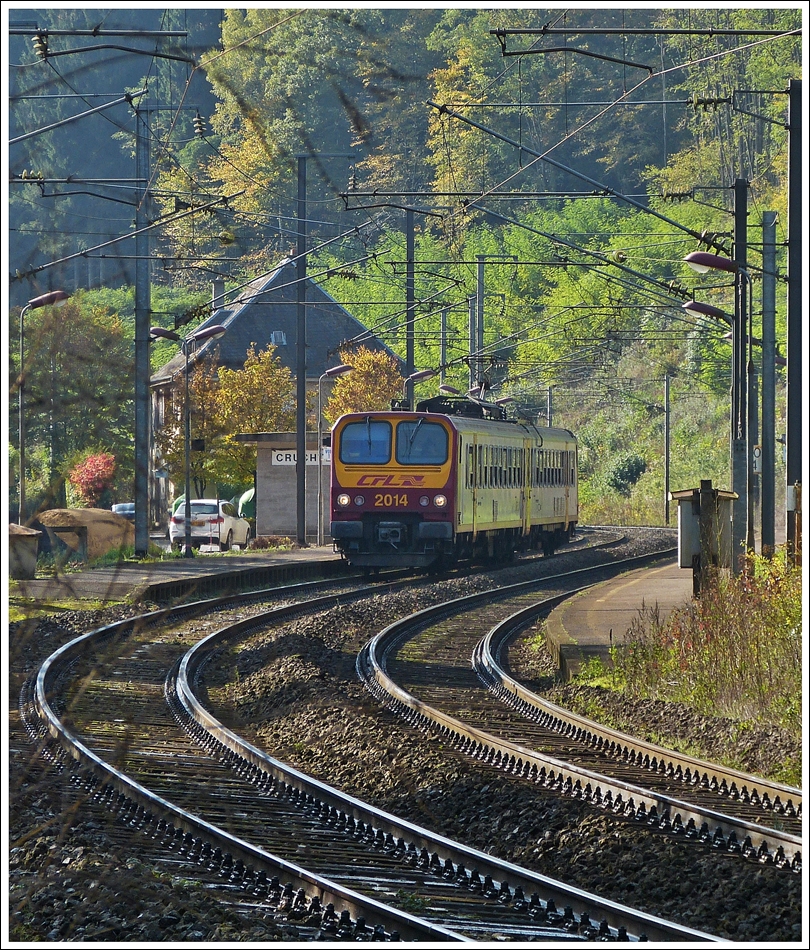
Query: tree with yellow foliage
<point>260,397</point>
<point>374,381</point>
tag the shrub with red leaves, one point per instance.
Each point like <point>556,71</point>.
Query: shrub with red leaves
<point>93,477</point>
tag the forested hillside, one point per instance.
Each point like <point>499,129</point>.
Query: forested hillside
<point>559,177</point>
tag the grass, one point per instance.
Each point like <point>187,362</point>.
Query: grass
<point>27,608</point>
<point>736,652</point>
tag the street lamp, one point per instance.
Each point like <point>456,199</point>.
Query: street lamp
<point>54,298</point>
<point>414,378</point>
<point>742,418</point>
<point>695,308</point>
<point>334,371</point>
<point>205,333</point>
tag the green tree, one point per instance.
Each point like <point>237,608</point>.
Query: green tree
<point>79,394</point>
<point>204,428</point>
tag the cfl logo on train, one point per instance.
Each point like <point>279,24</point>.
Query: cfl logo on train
<point>390,481</point>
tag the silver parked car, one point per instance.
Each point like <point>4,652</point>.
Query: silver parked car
<point>126,509</point>
<point>212,522</point>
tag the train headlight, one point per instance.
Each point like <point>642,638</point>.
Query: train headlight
<point>359,500</point>
<point>424,501</point>
<point>440,501</point>
<point>343,500</point>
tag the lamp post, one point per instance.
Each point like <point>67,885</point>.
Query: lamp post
<point>742,439</point>
<point>55,298</point>
<point>205,333</point>
<point>334,371</point>
<point>415,378</point>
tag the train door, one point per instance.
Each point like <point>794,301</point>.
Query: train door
<point>467,485</point>
<point>526,487</point>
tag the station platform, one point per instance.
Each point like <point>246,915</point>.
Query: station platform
<point>587,624</point>
<point>584,626</point>
<point>163,582</point>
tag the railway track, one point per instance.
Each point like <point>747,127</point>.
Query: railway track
<point>442,667</point>
<point>217,792</point>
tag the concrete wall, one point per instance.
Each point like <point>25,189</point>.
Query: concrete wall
<point>277,487</point>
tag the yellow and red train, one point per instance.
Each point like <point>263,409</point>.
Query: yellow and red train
<point>452,480</point>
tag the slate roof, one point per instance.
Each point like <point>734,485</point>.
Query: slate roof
<point>268,306</point>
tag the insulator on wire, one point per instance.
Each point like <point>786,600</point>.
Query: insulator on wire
<point>40,42</point>
<point>199,128</point>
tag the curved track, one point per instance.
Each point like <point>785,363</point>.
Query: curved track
<point>203,798</point>
<point>420,666</point>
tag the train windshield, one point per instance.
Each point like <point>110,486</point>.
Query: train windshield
<point>367,442</point>
<point>421,443</point>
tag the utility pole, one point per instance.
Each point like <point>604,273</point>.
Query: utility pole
<point>409,303</point>
<point>143,308</point>
<point>443,346</point>
<point>739,437</point>
<point>479,342</point>
<point>301,349</point>
<point>471,303</point>
<point>768,474</point>
<point>301,357</point>
<point>793,475</point>
<point>666,449</point>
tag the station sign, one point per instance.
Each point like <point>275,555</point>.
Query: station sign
<point>287,457</point>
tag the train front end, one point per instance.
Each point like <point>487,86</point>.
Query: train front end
<point>392,494</point>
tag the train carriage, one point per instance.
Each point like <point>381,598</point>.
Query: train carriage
<point>452,480</point>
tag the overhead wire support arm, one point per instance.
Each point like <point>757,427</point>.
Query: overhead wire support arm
<point>178,57</point>
<point>503,33</point>
<point>81,115</point>
<point>702,238</point>
<point>574,49</point>
<point>124,237</point>
<point>148,34</point>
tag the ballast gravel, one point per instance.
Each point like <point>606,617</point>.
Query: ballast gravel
<point>298,696</point>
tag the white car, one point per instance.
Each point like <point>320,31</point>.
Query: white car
<point>212,522</point>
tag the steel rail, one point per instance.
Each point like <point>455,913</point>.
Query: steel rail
<point>115,788</point>
<point>436,851</point>
<point>156,809</point>
<point>488,663</point>
<point>766,844</point>
<point>655,809</point>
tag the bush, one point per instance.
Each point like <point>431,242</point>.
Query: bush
<point>625,470</point>
<point>736,651</point>
<point>92,478</point>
